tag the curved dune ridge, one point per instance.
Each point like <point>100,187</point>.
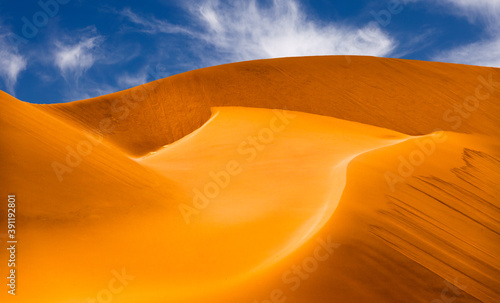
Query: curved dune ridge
<point>315,179</point>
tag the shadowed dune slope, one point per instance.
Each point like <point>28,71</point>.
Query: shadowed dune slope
<point>63,173</point>
<point>411,97</point>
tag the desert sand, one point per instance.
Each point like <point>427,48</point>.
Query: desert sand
<point>312,179</point>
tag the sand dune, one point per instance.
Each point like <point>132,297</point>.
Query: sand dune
<point>412,97</point>
<point>313,179</point>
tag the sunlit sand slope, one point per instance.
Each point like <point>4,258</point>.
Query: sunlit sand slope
<point>433,237</point>
<point>158,200</point>
<point>250,187</point>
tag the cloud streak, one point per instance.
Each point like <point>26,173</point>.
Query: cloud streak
<point>485,52</point>
<point>73,58</point>
<point>244,30</point>
<point>12,63</point>
<point>477,10</point>
<point>152,25</point>
<point>132,80</point>
<point>482,53</point>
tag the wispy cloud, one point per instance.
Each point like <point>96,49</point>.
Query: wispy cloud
<point>153,25</point>
<point>484,52</point>
<point>244,30</point>
<point>476,10</point>
<point>131,80</point>
<point>75,56</point>
<point>12,63</point>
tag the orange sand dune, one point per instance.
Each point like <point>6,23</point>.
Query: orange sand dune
<point>411,97</point>
<point>351,194</point>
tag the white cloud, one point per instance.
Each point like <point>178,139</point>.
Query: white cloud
<point>484,52</point>
<point>469,8</point>
<point>153,25</point>
<point>244,30</point>
<point>477,10</point>
<point>128,80</point>
<point>73,58</point>
<point>11,63</point>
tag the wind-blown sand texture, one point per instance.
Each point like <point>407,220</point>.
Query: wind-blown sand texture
<point>313,179</point>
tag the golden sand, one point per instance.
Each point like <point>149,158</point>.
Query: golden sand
<point>315,179</point>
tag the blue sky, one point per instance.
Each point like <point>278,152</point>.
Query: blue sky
<point>64,50</point>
